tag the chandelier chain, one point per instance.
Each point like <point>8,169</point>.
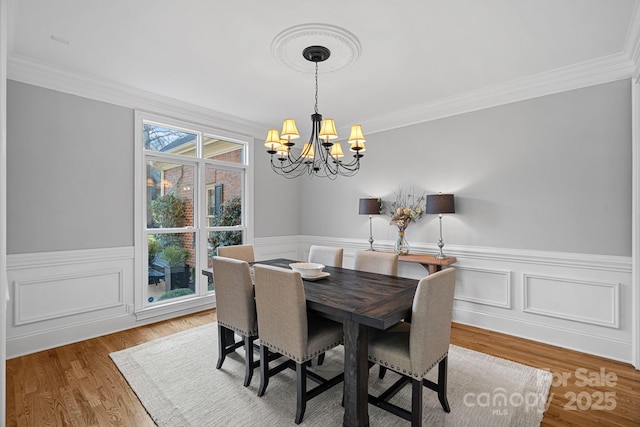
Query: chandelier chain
<point>316,106</point>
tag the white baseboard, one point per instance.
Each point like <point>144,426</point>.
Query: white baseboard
<point>560,337</point>
<point>46,339</point>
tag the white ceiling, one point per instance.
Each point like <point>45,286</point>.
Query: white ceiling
<point>419,58</point>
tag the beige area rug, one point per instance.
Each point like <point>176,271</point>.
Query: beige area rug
<point>176,380</point>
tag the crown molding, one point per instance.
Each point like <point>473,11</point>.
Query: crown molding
<point>632,43</point>
<point>598,71</point>
<point>27,70</point>
<point>602,70</point>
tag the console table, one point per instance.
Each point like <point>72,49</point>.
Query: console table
<point>430,262</point>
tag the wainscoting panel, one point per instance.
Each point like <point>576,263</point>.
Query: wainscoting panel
<point>49,298</point>
<point>590,302</point>
<point>483,286</point>
<point>62,297</point>
<point>278,247</point>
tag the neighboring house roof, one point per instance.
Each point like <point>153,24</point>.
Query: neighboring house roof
<point>178,142</point>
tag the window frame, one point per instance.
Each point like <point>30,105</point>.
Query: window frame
<point>202,298</point>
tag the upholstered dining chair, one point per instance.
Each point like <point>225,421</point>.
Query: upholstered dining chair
<point>286,328</point>
<point>235,310</point>
<point>413,349</point>
<point>376,262</point>
<point>243,252</point>
<point>327,255</point>
<point>330,256</point>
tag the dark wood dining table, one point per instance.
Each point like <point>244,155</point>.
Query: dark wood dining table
<point>360,300</point>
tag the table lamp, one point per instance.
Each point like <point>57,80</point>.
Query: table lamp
<point>440,204</point>
<point>370,206</point>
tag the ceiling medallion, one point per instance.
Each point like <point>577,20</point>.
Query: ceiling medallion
<point>343,45</point>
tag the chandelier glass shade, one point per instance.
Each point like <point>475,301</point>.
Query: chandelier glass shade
<point>322,156</point>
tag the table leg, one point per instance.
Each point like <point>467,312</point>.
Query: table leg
<point>356,374</point>
<point>432,268</point>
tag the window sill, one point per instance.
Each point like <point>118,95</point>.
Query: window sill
<point>177,308</point>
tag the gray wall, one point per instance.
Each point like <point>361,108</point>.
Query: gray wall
<point>551,173</point>
<point>276,199</point>
<point>70,172</point>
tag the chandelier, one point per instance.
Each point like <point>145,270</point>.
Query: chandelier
<point>321,156</point>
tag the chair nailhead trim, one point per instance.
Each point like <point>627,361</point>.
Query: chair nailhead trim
<point>238,330</point>
<point>411,374</point>
<point>295,358</point>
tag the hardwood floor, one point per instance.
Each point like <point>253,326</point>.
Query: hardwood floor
<point>78,384</point>
<point>586,390</point>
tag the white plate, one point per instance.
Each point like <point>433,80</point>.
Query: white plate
<point>318,277</point>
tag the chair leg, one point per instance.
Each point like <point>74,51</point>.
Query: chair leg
<point>383,371</point>
<point>416,403</point>
<point>264,369</point>
<point>222,345</point>
<point>248,360</point>
<point>301,391</point>
<point>442,385</point>
<point>321,359</point>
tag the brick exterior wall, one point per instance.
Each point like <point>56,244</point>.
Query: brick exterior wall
<point>182,179</point>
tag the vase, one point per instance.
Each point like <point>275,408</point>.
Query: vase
<point>402,246</point>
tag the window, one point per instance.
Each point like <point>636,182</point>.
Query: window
<point>214,200</point>
<point>192,200</point>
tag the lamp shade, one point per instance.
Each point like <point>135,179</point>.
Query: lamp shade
<point>440,203</point>
<point>328,130</point>
<point>356,139</point>
<point>370,206</point>
<point>356,135</point>
<point>283,152</point>
<point>289,130</point>
<point>273,140</point>
<point>336,151</point>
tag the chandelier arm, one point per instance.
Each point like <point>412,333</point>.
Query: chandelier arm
<point>326,166</point>
<point>350,169</point>
<point>355,163</point>
<point>290,164</point>
<point>333,169</point>
<point>293,168</point>
<point>288,172</point>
